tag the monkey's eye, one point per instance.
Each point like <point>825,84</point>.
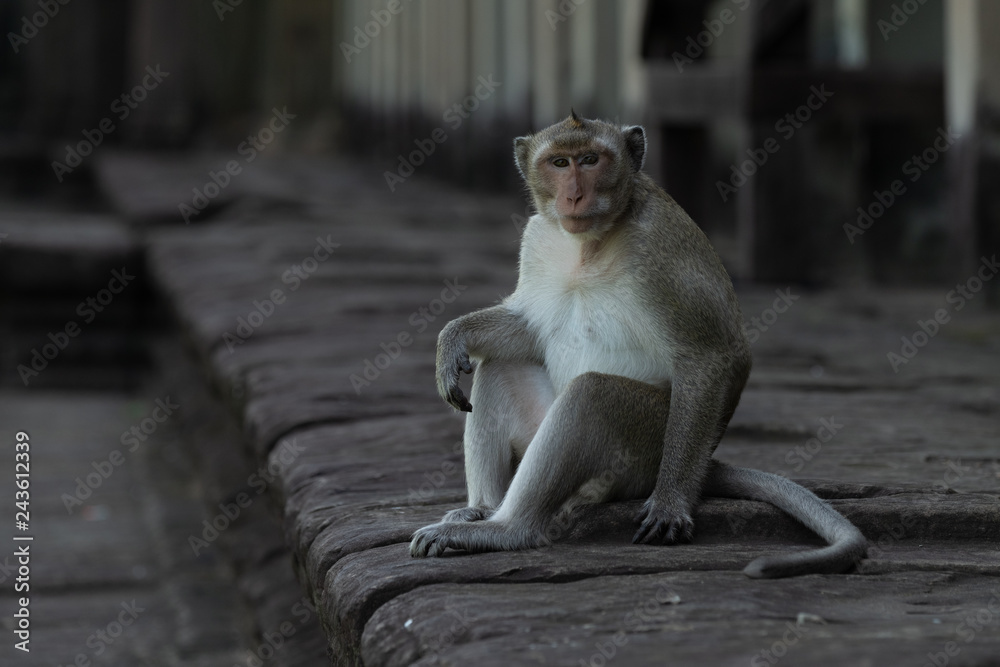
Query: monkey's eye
<point>560,162</point>
<point>589,159</point>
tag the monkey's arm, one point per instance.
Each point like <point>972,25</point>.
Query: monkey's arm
<point>703,397</point>
<point>490,334</point>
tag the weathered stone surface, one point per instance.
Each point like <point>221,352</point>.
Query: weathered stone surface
<point>909,456</point>
<point>718,618</point>
<point>145,187</point>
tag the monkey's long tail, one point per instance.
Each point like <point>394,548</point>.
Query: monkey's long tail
<point>847,544</point>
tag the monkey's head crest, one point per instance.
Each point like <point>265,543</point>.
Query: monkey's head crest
<point>575,133</point>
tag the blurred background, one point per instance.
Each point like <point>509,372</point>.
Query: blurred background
<point>710,79</point>
<point>821,143</point>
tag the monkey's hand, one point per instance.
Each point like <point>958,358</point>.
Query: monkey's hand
<point>452,359</point>
<point>663,523</point>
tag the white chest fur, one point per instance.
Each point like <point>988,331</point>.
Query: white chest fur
<point>589,316</point>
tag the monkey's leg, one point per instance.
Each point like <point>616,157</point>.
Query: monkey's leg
<point>702,402</point>
<point>601,439</point>
<point>510,401</point>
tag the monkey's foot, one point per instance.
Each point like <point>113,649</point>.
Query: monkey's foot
<point>467,514</point>
<point>477,537</point>
<point>662,524</point>
<point>432,540</point>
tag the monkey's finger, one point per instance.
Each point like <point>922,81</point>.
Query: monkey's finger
<point>648,523</point>
<point>458,400</point>
<point>451,393</point>
<point>416,550</point>
<point>679,530</point>
<point>651,531</point>
<point>420,544</point>
<point>465,364</point>
<point>654,527</point>
<point>659,527</point>
<point>642,516</point>
<point>429,542</point>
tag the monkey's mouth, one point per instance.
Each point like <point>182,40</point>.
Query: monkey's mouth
<point>577,224</point>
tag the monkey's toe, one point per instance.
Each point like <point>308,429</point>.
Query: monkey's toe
<point>680,530</point>
<point>431,541</point>
<point>661,525</point>
<point>421,543</point>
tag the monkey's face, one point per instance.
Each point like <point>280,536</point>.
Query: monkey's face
<point>575,183</point>
<point>581,172</point>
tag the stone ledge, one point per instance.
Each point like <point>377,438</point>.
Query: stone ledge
<point>359,467</point>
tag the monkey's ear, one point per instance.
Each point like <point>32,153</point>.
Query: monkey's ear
<point>635,144</point>
<point>522,149</point>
